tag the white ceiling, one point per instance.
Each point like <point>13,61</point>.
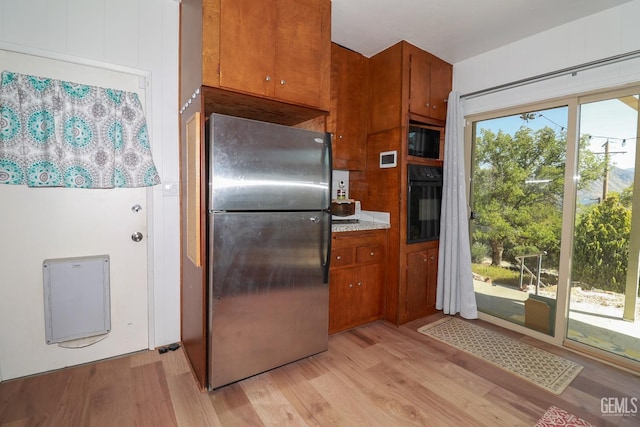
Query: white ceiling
<point>453,30</point>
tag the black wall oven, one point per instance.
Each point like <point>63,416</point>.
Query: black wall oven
<point>423,204</point>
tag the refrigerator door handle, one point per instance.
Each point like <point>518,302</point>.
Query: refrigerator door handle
<point>327,258</point>
<point>328,162</point>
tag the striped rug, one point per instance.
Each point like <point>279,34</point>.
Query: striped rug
<point>546,370</point>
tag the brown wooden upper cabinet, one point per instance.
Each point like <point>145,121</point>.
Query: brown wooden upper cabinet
<point>407,81</point>
<point>430,84</point>
<point>275,49</point>
<point>347,120</point>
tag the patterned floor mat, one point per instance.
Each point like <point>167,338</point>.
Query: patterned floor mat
<point>547,370</point>
<point>557,417</point>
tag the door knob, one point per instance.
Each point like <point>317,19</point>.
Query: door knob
<point>137,236</point>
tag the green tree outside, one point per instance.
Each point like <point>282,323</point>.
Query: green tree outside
<point>516,214</point>
<point>601,245</point>
<point>518,183</point>
<point>518,190</point>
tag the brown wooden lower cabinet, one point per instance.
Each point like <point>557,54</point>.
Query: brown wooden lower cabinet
<point>422,276</point>
<point>356,278</point>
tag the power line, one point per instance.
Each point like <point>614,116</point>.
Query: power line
<point>531,116</point>
<point>624,140</point>
<point>547,118</point>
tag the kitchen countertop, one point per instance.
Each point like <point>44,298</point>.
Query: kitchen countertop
<point>360,226</point>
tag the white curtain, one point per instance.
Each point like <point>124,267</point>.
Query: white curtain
<point>455,292</point>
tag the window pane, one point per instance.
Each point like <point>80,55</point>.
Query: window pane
<point>603,286</point>
<point>517,196</point>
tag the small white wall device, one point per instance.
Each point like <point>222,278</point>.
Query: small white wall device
<point>388,159</point>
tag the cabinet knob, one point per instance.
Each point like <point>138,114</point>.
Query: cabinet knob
<point>340,137</point>
<point>371,253</point>
<point>424,259</point>
<point>359,283</point>
<point>268,78</point>
<point>426,105</point>
<point>432,258</point>
<point>283,81</point>
<point>339,257</point>
<point>351,285</point>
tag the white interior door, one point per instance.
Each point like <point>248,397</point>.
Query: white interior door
<point>48,223</point>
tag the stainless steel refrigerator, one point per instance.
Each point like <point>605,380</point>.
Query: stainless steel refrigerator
<point>269,242</point>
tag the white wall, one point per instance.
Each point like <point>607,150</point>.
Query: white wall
<point>138,34</point>
<point>612,32</point>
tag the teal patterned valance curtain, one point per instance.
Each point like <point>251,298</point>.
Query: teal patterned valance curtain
<point>55,133</point>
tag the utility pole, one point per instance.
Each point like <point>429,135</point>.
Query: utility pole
<point>605,181</point>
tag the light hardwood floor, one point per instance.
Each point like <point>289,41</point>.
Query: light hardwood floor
<point>375,375</point>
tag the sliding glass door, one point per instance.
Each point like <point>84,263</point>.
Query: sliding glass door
<point>555,226</point>
<point>603,312</point>
<point>517,202</point>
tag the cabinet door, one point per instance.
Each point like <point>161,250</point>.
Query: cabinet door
<point>432,279</point>
<point>302,49</point>
<point>430,84</point>
<point>247,45</point>
<point>417,295</point>
<point>419,84</point>
<point>247,35</point>
<point>369,288</point>
<point>422,276</point>
<point>440,88</point>
<point>342,286</point>
<point>347,118</point>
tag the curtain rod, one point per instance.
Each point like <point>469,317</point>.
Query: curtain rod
<point>546,76</point>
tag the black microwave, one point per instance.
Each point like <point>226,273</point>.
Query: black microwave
<point>423,141</point>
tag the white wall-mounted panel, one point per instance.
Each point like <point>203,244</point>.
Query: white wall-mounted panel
<point>17,21</point>
<point>595,37</point>
<point>600,40</point>
<point>121,32</point>
<point>55,30</point>
<point>86,36</point>
<point>629,27</point>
